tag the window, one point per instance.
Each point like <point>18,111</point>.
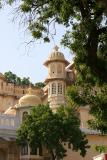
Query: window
<point>53,88</point>
<point>69,145</point>
<point>59,88</point>
<point>24,150</point>
<point>36,151</point>
<point>59,69</point>
<point>33,151</point>
<point>52,69</point>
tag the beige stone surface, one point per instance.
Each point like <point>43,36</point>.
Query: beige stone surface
<point>9,150</point>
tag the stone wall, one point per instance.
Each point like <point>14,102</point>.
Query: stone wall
<point>9,150</point>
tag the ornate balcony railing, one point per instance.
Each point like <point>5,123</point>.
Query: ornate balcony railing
<point>8,122</point>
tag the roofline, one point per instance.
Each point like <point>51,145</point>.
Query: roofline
<point>53,79</point>
<point>56,60</point>
<point>63,79</point>
<point>2,77</point>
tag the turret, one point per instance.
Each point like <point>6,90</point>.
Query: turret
<point>56,80</point>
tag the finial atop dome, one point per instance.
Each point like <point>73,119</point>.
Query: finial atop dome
<point>30,90</point>
<point>56,48</point>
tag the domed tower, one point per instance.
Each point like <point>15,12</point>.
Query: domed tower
<point>56,80</point>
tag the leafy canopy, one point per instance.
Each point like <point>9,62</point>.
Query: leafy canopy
<point>13,78</point>
<point>86,37</point>
<point>44,128</point>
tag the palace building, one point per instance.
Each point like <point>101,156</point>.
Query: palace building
<point>16,102</point>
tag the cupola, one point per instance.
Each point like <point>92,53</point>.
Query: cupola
<point>30,99</point>
<point>56,56</point>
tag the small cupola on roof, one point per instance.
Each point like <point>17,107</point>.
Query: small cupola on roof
<point>30,99</point>
<point>56,56</point>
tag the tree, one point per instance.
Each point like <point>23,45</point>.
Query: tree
<point>87,20</point>
<point>86,37</point>
<point>43,128</point>
<point>25,81</point>
<point>10,77</point>
<point>39,84</point>
<point>13,78</point>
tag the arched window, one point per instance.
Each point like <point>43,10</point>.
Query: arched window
<point>53,88</point>
<point>24,115</point>
<point>23,91</point>
<point>59,88</point>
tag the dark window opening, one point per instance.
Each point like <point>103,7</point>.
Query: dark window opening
<point>24,150</point>
<point>69,146</point>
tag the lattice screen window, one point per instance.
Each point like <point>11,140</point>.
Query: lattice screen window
<point>53,68</point>
<point>59,88</point>
<point>59,69</point>
<point>53,88</point>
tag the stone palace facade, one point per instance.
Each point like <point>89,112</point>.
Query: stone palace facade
<point>16,101</point>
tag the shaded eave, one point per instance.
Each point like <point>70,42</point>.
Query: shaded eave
<point>53,79</point>
<point>68,82</point>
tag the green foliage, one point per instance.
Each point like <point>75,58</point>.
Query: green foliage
<point>101,149</point>
<point>86,37</point>
<point>25,81</point>
<point>84,93</point>
<point>13,78</point>
<point>39,84</point>
<point>25,7</point>
<point>44,128</point>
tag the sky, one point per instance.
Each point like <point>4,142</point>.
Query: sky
<point>22,59</point>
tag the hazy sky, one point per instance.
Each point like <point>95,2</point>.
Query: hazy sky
<point>22,60</point>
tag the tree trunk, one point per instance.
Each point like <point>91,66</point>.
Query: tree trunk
<point>92,59</point>
<point>52,155</point>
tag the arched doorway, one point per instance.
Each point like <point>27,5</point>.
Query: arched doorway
<point>3,155</point>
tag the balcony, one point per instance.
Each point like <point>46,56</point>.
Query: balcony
<point>8,125</point>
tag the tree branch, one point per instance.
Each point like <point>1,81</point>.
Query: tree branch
<point>102,30</point>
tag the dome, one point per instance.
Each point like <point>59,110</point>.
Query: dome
<point>29,99</point>
<point>56,56</point>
